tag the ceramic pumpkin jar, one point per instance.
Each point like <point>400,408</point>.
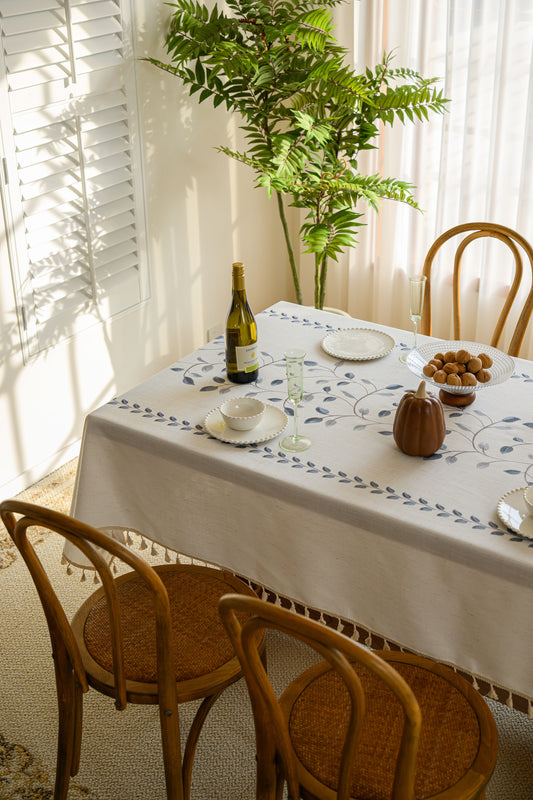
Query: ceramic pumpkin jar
<point>419,427</point>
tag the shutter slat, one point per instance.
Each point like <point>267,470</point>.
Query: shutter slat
<point>49,186</point>
<point>34,60</point>
<point>12,8</point>
<point>113,268</point>
<point>52,217</point>
<point>99,44</point>
<point>87,10</point>
<point>101,215</point>
<point>50,150</point>
<point>99,167</point>
<point>35,40</point>
<point>99,61</point>
<point>47,276</point>
<point>38,205</point>
<point>106,149</point>
<point>92,29</point>
<point>115,253</point>
<point>47,252</point>
<point>36,96</point>
<point>100,200</point>
<point>118,223</point>
<point>42,171</point>
<point>34,77</point>
<point>55,233</point>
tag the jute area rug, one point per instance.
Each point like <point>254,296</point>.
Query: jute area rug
<point>121,753</point>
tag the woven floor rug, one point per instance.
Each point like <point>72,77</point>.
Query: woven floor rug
<point>121,752</point>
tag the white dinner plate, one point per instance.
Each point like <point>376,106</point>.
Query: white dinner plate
<point>273,422</point>
<point>512,511</point>
<point>358,344</point>
<point>502,366</point>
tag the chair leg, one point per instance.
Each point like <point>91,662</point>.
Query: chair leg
<point>66,736</point>
<point>192,740</point>
<point>170,739</point>
<point>78,722</point>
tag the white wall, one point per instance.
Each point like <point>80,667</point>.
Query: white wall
<point>203,214</point>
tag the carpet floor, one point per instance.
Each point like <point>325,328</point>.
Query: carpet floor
<point>121,753</point>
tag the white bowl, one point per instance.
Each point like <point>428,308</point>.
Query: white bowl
<point>242,413</point>
<point>528,498</point>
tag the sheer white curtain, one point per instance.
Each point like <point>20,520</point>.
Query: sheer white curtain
<point>475,163</point>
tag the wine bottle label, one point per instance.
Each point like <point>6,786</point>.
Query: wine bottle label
<point>246,358</point>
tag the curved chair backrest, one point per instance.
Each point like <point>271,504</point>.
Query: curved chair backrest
<point>18,517</point>
<point>477,230</point>
<point>339,651</point>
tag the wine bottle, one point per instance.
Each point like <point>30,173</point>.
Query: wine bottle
<point>242,365</point>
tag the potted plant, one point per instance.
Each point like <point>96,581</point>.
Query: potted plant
<point>306,115</point>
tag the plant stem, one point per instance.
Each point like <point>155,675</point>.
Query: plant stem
<point>317,280</point>
<point>290,251</point>
<point>323,277</point>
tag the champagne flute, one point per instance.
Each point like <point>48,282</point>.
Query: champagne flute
<point>417,287</point>
<point>294,442</point>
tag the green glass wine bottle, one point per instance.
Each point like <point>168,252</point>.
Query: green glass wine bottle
<point>242,364</point>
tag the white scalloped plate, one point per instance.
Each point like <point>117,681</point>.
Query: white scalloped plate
<point>358,344</point>
<point>512,511</point>
<point>502,367</point>
<point>273,422</point>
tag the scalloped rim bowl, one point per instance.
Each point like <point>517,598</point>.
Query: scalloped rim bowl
<point>502,367</point>
<point>242,413</point>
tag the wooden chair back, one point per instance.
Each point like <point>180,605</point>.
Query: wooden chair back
<point>477,230</point>
<point>96,546</point>
<point>273,740</point>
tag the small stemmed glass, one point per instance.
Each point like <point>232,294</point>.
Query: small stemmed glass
<point>294,442</point>
<point>417,287</point>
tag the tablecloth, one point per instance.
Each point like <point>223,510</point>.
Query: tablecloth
<point>409,547</point>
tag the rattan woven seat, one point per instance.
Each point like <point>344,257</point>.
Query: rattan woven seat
<point>153,635</point>
<point>361,724</point>
<point>518,246</point>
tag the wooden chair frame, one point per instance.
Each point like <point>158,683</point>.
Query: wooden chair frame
<point>75,670</point>
<point>481,230</point>
<point>276,760</point>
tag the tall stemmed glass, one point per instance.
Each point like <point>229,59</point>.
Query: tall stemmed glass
<point>417,287</point>
<point>294,442</point>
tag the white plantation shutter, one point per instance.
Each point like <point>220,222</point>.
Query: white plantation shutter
<point>72,179</point>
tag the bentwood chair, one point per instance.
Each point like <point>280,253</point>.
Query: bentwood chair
<point>477,230</point>
<point>360,724</point>
<point>152,635</point>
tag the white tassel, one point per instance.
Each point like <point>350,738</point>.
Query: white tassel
<point>509,701</point>
<point>530,709</point>
<point>386,645</point>
<point>475,684</point>
<point>368,640</point>
<point>492,693</point>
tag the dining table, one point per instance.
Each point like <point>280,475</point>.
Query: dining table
<point>404,551</point>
